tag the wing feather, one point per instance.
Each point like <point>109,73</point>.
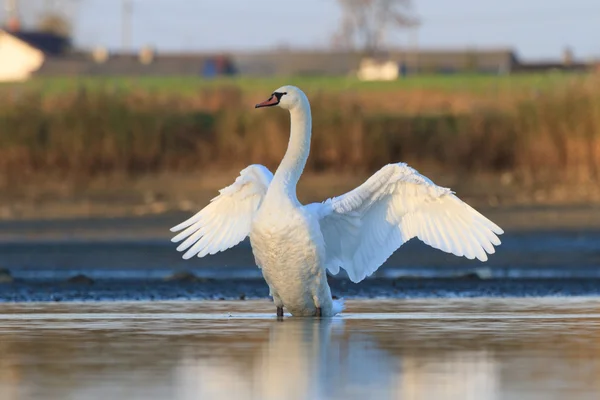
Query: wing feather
<point>226,220</point>
<point>393,206</point>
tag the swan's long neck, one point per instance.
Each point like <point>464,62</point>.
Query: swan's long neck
<point>289,171</point>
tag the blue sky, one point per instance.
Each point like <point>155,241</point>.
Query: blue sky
<point>535,28</point>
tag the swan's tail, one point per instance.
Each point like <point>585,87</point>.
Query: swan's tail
<point>338,306</point>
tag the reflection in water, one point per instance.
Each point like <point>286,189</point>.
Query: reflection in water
<point>428,349</point>
<point>303,359</point>
<point>458,375</point>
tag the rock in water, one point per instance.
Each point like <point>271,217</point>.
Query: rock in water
<point>5,276</point>
<point>80,279</point>
<point>182,276</point>
<point>185,276</point>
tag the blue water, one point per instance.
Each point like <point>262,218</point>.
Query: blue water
<point>134,248</point>
<point>533,254</point>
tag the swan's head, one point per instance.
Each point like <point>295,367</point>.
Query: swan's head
<point>287,97</point>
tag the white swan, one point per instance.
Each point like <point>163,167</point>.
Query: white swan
<point>294,244</point>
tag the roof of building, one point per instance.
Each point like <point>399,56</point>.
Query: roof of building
<point>183,64</point>
<point>290,63</point>
<point>48,43</point>
<point>345,62</point>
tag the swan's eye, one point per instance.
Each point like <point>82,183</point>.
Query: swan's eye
<point>278,95</point>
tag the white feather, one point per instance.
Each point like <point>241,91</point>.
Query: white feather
<point>226,220</point>
<point>393,206</point>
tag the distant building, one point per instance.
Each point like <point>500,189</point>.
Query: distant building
<point>487,61</point>
<point>396,63</point>
<point>567,64</point>
<point>27,53</point>
<point>371,69</point>
<point>337,63</point>
<point>101,62</point>
<point>297,63</point>
<point>18,59</point>
<point>553,66</point>
<point>23,53</point>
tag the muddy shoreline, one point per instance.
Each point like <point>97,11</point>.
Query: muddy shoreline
<point>155,196</point>
<point>248,289</point>
<point>527,218</point>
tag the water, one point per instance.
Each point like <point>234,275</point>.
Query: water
<point>139,248</point>
<point>549,254</point>
<point>414,349</point>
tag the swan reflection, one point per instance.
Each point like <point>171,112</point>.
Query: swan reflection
<point>173,351</point>
<point>312,359</point>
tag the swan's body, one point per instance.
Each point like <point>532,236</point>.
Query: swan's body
<point>295,245</point>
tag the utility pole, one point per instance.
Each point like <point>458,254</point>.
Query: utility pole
<point>12,13</point>
<point>127,13</point>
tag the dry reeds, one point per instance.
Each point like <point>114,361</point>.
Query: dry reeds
<point>86,133</point>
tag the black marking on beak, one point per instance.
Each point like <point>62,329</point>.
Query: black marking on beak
<point>272,101</point>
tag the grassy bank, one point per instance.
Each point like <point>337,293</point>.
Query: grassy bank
<point>183,86</point>
<point>535,127</point>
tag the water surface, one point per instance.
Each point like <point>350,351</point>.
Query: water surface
<point>413,349</point>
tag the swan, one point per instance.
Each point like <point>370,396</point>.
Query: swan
<point>295,245</point>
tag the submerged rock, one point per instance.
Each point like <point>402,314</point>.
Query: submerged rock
<point>181,276</point>
<point>81,280</point>
<point>5,276</point>
<point>478,273</point>
<point>186,276</point>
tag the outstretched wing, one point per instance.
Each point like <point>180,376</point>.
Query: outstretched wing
<point>364,227</point>
<point>226,221</point>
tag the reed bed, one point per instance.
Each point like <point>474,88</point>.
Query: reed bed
<point>536,131</point>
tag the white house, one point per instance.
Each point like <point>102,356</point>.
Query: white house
<point>18,59</point>
<point>374,70</point>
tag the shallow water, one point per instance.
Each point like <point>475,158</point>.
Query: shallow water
<point>140,248</point>
<point>548,254</point>
<point>413,349</point>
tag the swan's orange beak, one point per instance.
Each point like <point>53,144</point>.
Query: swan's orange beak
<point>273,101</point>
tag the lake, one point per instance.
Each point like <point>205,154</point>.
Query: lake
<point>482,348</point>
